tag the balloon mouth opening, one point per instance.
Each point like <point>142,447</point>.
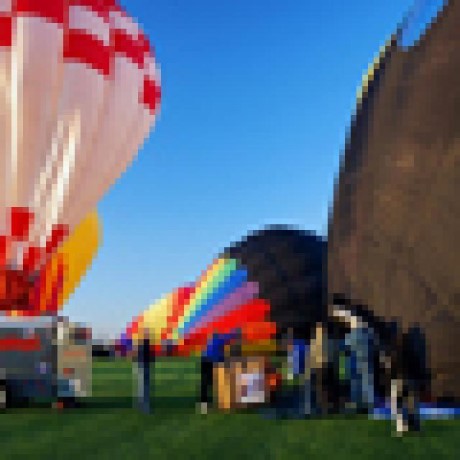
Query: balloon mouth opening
<point>17,290</point>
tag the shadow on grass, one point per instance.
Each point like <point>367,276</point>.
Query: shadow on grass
<point>184,404</point>
<point>106,402</point>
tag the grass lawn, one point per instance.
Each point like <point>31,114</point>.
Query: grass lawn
<point>109,428</point>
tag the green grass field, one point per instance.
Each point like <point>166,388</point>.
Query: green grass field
<point>109,428</point>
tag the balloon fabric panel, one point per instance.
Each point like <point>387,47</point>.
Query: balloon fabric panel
<point>183,297</point>
<point>254,312</point>
<point>217,276</point>
<point>64,271</point>
<point>281,259</point>
<point>161,316</point>
<point>73,73</point>
<point>226,287</point>
<point>241,295</point>
<point>199,293</point>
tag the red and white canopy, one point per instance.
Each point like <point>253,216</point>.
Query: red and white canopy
<point>79,92</point>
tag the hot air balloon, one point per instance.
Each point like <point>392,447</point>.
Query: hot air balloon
<point>393,234</point>
<point>79,92</point>
<point>220,300</point>
<point>266,285</point>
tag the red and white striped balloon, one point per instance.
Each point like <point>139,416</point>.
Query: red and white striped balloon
<point>79,92</point>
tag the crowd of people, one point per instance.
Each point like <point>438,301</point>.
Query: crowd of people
<point>382,364</point>
<point>352,362</point>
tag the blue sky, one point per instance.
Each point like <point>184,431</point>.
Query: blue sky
<point>257,99</point>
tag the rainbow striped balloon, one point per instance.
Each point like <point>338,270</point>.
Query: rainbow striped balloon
<point>222,293</point>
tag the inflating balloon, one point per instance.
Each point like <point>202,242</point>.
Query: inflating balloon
<point>289,266</point>
<point>267,284</point>
<point>79,92</point>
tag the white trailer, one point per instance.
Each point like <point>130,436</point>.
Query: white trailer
<point>44,359</point>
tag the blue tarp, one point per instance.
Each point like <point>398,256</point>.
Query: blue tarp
<point>426,412</point>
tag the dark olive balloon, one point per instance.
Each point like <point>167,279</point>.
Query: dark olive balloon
<point>394,232</point>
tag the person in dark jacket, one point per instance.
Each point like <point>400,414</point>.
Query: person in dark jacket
<point>144,359</point>
<point>388,362</point>
<point>408,377</point>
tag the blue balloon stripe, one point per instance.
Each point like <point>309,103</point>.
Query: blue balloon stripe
<point>231,283</point>
<point>219,296</point>
<point>234,281</point>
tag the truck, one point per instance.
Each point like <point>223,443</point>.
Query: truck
<point>44,359</point>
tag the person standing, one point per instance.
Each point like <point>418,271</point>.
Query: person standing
<point>213,354</point>
<point>406,376</point>
<point>297,352</point>
<point>359,342</point>
<point>319,359</point>
<point>401,361</point>
<point>144,359</point>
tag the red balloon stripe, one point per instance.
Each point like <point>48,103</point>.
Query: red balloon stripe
<point>252,332</point>
<point>55,10</point>
<point>32,258</point>
<point>133,328</point>
<point>101,7</point>
<point>151,95</point>
<point>3,250</point>
<point>183,298</point>
<point>85,48</point>
<point>6,31</point>
<point>21,219</point>
<point>130,47</point>
<point>254,311</point>
<point>58,234</point>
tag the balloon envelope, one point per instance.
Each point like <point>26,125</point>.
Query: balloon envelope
<point>290,268</point>
<point>79,92</point>
<point>393,234</point>
<point>268,283</point>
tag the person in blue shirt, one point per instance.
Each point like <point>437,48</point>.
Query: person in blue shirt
<point>299,349</point>
<point>213,354</point>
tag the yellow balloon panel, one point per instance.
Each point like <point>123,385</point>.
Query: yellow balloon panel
<point>78,252</point>
<point>155,319</point>
<point>70,263</point>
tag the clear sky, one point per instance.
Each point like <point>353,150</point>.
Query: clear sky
<point>257,99</point>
